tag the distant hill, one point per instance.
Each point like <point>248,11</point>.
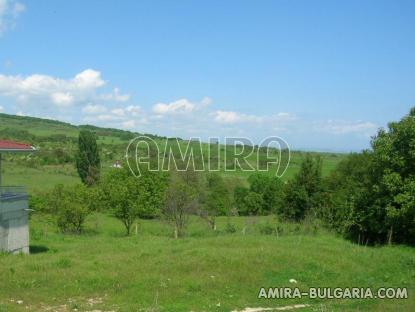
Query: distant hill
<point>56,142</point>
<point>33,130</point>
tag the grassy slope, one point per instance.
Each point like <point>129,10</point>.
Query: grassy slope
<point>46,177</point>
<point>156,273</point>
<point>152,272</point>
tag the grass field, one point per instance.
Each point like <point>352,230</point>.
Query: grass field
<point>103,270</point>
<point>111,142</point>
<point>46,177</point>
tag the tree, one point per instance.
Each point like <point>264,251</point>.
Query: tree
<point>181,200</point>
<point>87,159</point>
<point>130,198</point>
<point>303,193</point>
<point>373,193</point>
<point>270,188</point>
<point>264,195</point>
<point>347,188</point>
<point>216,199</point>
<point>239,195</point>
<point>72,208</point>
<point>253,203</point>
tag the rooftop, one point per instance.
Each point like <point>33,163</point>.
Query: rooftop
<point>10,146</point>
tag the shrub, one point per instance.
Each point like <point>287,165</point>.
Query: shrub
<point>230,228</point>
<point>72,208</point>
<point>266,229</point>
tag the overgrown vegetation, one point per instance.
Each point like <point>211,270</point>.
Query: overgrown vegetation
<point>226,220</point>
<point>369,197</point>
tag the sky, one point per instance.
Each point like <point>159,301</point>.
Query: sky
<point>322,75</point>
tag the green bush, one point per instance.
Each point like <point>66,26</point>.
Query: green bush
<point>230,228</point>
<point>267,229</point>
<point>71,208</point>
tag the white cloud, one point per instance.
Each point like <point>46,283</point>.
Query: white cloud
<point>106,117</point>
<point>128,124</point>
<point>206,101</point>
<point>62,99</point>
<point>88,79</point>
<point>118,112</point>
<point>1,108</point>
<point>18,8</point>
<point>94,109</point>
<point>230,117</point>
<point>116,96</point>
<point>60,92</point>
<point>133,110</point>
<point>9,12</point>
<point>179,106</point>
<point>346,127</point>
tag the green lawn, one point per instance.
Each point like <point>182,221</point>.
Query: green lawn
<point>46,177</point>
<point>42,178</point>
<point>205,271</point>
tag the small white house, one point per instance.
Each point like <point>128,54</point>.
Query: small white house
<point>14,212</point>
<point>117,164</point>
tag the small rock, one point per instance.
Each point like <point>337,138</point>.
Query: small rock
<point>19,301</point>
<point>293,281</point>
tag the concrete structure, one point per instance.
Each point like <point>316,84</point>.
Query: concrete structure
<point>14,212</point>
<point>14,217</point>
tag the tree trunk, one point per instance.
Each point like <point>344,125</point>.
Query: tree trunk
<point>176,232</point>
<point>390,236</point>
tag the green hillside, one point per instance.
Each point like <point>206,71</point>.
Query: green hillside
<point>56,142</point>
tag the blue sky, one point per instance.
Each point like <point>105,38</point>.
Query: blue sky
<point>323,75</point>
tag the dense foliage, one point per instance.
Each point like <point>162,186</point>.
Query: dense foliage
<point>263,197</point>
<point>302,194</point>
<point>369,198</point>
<point>215,199</point>
<point>129,198</point>
<point>88,161</point>
<point>372,195</point>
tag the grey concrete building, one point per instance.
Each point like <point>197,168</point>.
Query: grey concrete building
<point>14,212</point>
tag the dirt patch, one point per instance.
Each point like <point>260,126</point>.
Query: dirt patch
<point>284,308</point>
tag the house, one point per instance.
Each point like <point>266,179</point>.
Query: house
<point>14,212</point>
<point>117,164</point>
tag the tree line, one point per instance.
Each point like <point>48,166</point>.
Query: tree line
<point>369,198</point>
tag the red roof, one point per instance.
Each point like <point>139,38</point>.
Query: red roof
<point>14,146</point>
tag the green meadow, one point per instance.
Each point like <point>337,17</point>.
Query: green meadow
<point>206,270</point>
<point>103,270</point>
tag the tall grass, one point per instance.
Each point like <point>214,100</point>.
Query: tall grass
<point>205,271</point>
